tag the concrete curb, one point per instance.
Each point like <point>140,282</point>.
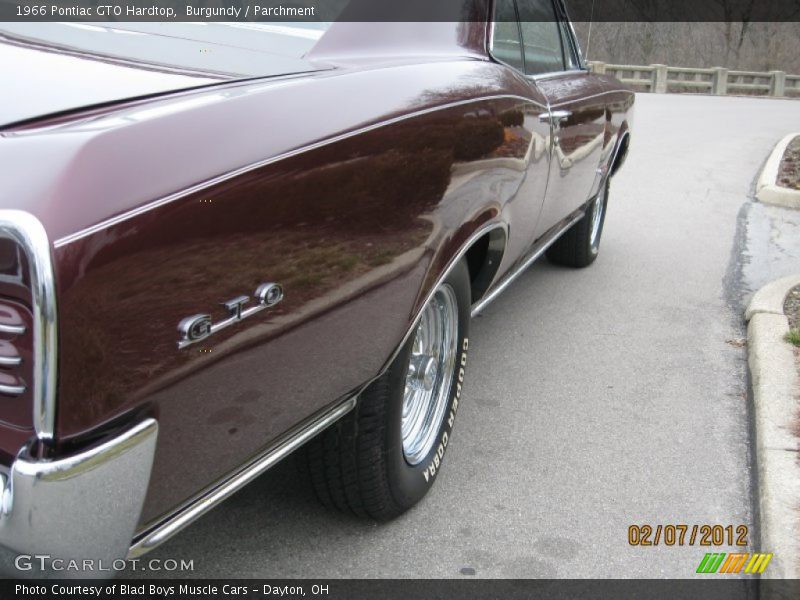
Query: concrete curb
<point>770,298</point>
<point>775,382</point>
<point>767,190</point>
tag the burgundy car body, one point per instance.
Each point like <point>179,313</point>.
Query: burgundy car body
<point>354,181</point>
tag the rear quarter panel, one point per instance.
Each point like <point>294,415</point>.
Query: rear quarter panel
<point>343,195</point>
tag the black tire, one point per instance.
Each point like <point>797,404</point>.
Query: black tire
<point>576,247</point>
<point>358,464</point>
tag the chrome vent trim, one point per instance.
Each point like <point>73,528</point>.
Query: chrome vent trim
<point>12,329</point>
<point>27,231</point>
<point>10,361</point>
<point>12,390</point>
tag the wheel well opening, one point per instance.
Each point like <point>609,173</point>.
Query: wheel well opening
<point>483,260</point>
<point>622,152</point>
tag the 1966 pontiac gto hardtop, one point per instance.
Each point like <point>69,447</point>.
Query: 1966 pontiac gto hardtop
<point>220,243</point>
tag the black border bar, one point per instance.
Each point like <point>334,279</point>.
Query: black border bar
<point>652,11</point>
<point>711,588</point>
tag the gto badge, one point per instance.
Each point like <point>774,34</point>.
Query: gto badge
<point>198,327</point>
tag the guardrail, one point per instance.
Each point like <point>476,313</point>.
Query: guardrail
<point>661,79</point>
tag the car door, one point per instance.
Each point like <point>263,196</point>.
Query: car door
<point>577,107</point>
<point>524,211</point>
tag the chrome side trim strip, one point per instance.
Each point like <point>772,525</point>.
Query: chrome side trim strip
<point>224,488</point>
<point>29,233</point>
<point>555,74</point>
<point>263,163</point>
<point>509,278</point>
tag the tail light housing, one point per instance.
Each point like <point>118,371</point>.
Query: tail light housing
<point>28,326</point>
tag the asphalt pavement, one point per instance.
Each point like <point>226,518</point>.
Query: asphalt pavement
<point>596,399</point>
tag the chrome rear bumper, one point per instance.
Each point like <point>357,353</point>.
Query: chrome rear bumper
<point>82,507</point>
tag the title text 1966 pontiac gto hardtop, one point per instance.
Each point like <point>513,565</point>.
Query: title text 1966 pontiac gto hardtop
<point>222,243</point>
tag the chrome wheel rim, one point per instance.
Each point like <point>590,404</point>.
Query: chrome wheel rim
<point>430,374</point>
<point>597,218</point>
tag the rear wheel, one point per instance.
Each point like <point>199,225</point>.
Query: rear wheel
<point>384,456</point>
<point>579,246</point>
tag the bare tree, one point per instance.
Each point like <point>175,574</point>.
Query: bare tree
<point>746,45</point>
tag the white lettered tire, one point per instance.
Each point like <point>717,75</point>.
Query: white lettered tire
<point>382,458</point>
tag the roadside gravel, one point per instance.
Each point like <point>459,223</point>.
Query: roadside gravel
<point>789,169</point>
<point>791,307</point>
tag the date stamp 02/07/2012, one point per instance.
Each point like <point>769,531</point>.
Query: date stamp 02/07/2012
<point>707,536</point>
<point>687,535</point>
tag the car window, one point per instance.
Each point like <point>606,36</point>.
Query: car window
<point>541,37</point>
<point>505,40</point>
<point>570,50</point>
